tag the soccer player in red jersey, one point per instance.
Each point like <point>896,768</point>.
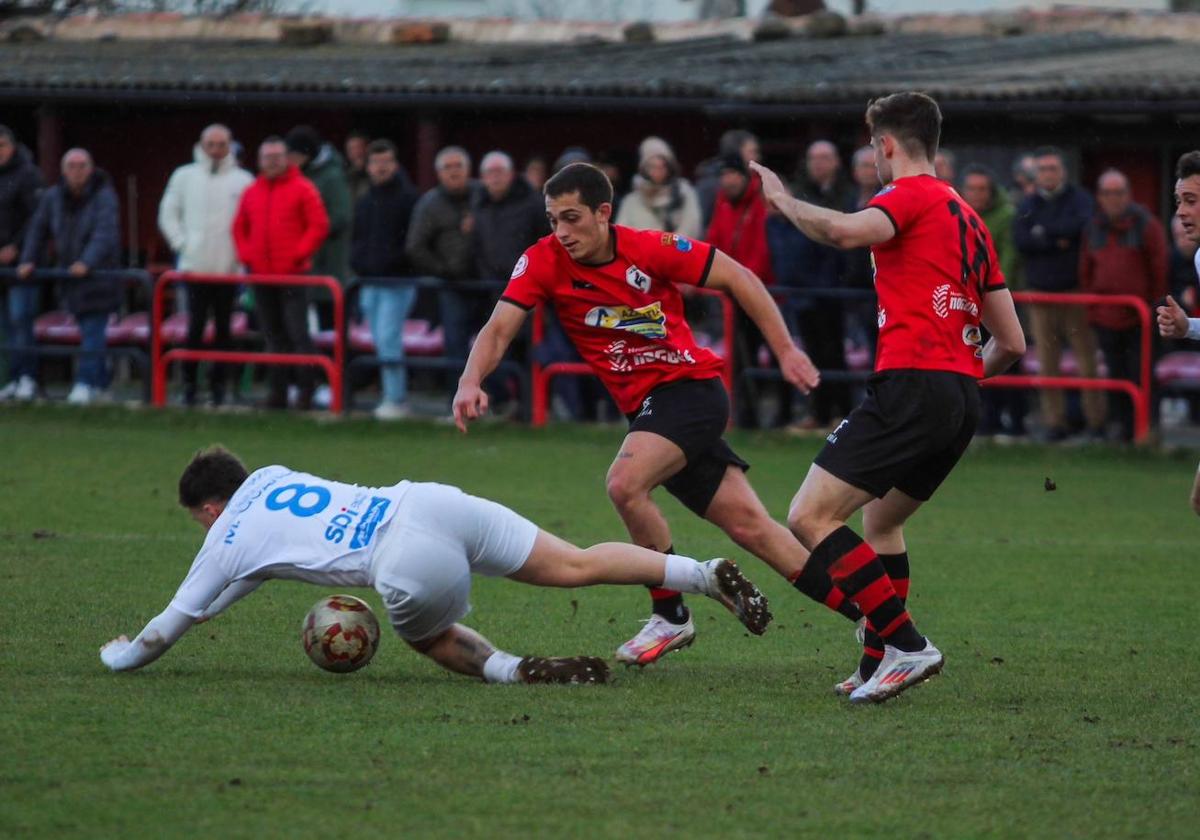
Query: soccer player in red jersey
<point>614,290</point>
<point>936,279</point>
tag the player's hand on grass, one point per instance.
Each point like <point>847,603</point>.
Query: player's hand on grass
<point>113,648</point>
<point>799,370</point>
<point>1172,320</point>
<point>470,403</point>
<point>773,189</point>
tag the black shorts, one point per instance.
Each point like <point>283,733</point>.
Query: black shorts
<point>692,414</point>
<point>908,433</point>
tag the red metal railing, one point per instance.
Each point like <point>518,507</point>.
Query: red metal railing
<point>333,368</point>
<point>542,375</point>
<point>1138,392</point>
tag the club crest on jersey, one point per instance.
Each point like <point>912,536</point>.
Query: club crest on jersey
<point>646,321</point>
<point>520,267</point>
<point>680,243</point>
<point>637,278</point>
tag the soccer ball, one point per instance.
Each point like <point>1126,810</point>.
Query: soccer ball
<point>340,633</point>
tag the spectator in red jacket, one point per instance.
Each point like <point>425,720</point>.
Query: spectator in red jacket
<point>1124,252</point>
<point>739,228</point>
<point>280,224</point>
<point>739,223</point>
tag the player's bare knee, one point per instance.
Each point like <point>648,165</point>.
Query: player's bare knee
<point>577,567</point>
<point>623,492</point>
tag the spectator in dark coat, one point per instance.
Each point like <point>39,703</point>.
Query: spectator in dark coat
<point>862,316</point>
<point>321,163</point>
<point>381,222</point>
<point>82,217</point>
<point>439,245</point>
<point>355,148</point>
<point>1047,231</point>
<point>509,217</point>
<point>820,320</point>
<point>20,183</point>
<point>1124,252</point>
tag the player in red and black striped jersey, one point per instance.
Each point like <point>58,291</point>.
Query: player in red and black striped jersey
<point>936,279</point>
<point>615,292</point>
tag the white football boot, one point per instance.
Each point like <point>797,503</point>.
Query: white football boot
<point>847,686</point>
<point>898,671</point>
<point>656,639</point>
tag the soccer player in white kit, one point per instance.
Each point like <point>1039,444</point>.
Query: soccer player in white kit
<point>1173,322</point>
<point>417,544</point>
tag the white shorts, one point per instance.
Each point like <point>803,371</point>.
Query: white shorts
<point>427,553</point>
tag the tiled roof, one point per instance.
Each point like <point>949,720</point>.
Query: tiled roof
<point>965,72</point>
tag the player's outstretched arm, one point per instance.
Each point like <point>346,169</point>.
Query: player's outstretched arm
<point>1007,343</point>
<point>727,274</point>
<point>159,634</point>
<point>229,595</point>
<point>869,226</point>
<point>471,401</point>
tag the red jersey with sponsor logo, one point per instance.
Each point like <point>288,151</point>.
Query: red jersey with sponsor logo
<point>931,277</point>
<point>626,316</point>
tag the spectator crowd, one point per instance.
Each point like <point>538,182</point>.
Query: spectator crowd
<point>354,214</point>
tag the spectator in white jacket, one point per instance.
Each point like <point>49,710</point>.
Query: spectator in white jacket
<point>196,218</point>
<point>661,199</point>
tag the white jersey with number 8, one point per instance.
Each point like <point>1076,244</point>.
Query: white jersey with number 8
<point>286,524</point>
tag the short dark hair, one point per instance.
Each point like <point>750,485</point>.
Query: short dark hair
<point>1188,165</point>
<point>213,475</point>
<point>1050,151</point>
<point>381,146</point>
<point>913,118</point>
<point>979,169</point>
<point>589,181</point>
<point>358,134</point>
<point>273,138</point>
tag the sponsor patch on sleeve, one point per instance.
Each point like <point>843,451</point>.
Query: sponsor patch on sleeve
<point>674,240</point>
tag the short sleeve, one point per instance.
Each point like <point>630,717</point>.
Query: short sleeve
<point>677,258</point>
<point>529,283</point>
<point>995,279</point>
<point>901,205</point>
<point>204,582</point>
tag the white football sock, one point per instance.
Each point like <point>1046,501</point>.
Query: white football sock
<point>501,667</point>
<point>684,574</point>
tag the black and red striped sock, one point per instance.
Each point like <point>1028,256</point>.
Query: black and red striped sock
<point>668,603</point>
<point>857,570</point>
<point>814,581</point>
<point>896,566</point>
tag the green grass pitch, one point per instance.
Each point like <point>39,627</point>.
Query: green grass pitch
<point>1068,707</point>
